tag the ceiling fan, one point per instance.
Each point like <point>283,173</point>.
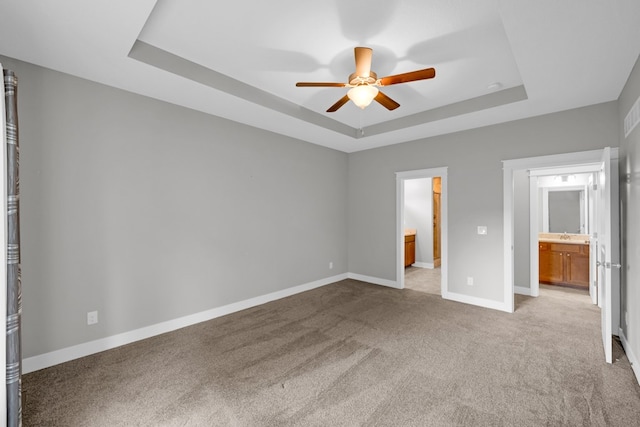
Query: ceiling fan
<point>364,83</point>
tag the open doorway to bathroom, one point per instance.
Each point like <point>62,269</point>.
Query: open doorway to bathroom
<point>607,232</point>
<point>563,218</point>
<point>554,227</point>
<point>422,230</point>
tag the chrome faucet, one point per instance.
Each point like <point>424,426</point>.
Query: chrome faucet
<point>565,236</point>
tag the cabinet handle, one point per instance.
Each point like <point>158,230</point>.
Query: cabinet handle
<point>568,254</point>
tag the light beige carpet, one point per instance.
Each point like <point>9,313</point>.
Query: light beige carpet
<point>353,354</point>
<point>423,279</point>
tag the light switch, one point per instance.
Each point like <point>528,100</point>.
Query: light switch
<point>482,230</point>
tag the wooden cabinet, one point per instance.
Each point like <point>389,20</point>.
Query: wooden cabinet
<point>551,264</point>
<point>563,264</point>
<point>409,249</point>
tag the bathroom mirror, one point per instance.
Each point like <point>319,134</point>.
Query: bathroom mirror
<point>566,203</point>
<point>567,212</point>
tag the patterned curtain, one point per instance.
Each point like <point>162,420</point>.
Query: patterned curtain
<point>14,292</point>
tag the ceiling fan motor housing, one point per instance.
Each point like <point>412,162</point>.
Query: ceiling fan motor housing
<point>356,80</point>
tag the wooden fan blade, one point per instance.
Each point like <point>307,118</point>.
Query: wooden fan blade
<point>338,104</point>
<point>386,102</point>
<point>427,73</point>
<point>319,84</point>
<point>363,61</point>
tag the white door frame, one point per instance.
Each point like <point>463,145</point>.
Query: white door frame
<point>401,177</point>
<point>509,166</point>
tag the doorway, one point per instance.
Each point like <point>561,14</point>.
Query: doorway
<point>434,223</point>
<point>561,201</point>
<point>422,227</point>
<point>608,248</point>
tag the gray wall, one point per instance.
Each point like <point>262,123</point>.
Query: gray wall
<point>147,212</point>
<point>475,179</point>
<point>630,211</point>
<point>521,229</point>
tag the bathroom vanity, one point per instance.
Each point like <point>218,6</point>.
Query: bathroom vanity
<point>563,259</point>
<point>409,246</point>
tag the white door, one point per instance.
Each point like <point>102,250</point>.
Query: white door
<point>593,246</point>
<point>593,271</point>
<point>604,251</point>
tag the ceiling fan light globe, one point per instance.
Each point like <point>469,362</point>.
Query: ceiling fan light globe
<point>362,95</point>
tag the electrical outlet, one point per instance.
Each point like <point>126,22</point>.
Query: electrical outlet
<point>331,265</point>
<point>92,318</point>
<point>469,281</point>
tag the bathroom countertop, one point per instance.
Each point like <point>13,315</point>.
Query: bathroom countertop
<point>571,239</point>
<point>410,231</point>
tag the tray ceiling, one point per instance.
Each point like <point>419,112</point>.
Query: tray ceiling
<point>496,60</point>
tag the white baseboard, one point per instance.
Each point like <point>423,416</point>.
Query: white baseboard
<point>522,290</point>
<point>42,361</point>
<point>481,302</point>
<point>633,360</point>
<point>373,280</point>
<point>428,265</point>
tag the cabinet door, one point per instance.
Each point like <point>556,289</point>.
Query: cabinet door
<point>577,269</point>
<point>409,253</point>
<point>551,266</point>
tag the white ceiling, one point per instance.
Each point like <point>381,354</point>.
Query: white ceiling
<point>240,60</point>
